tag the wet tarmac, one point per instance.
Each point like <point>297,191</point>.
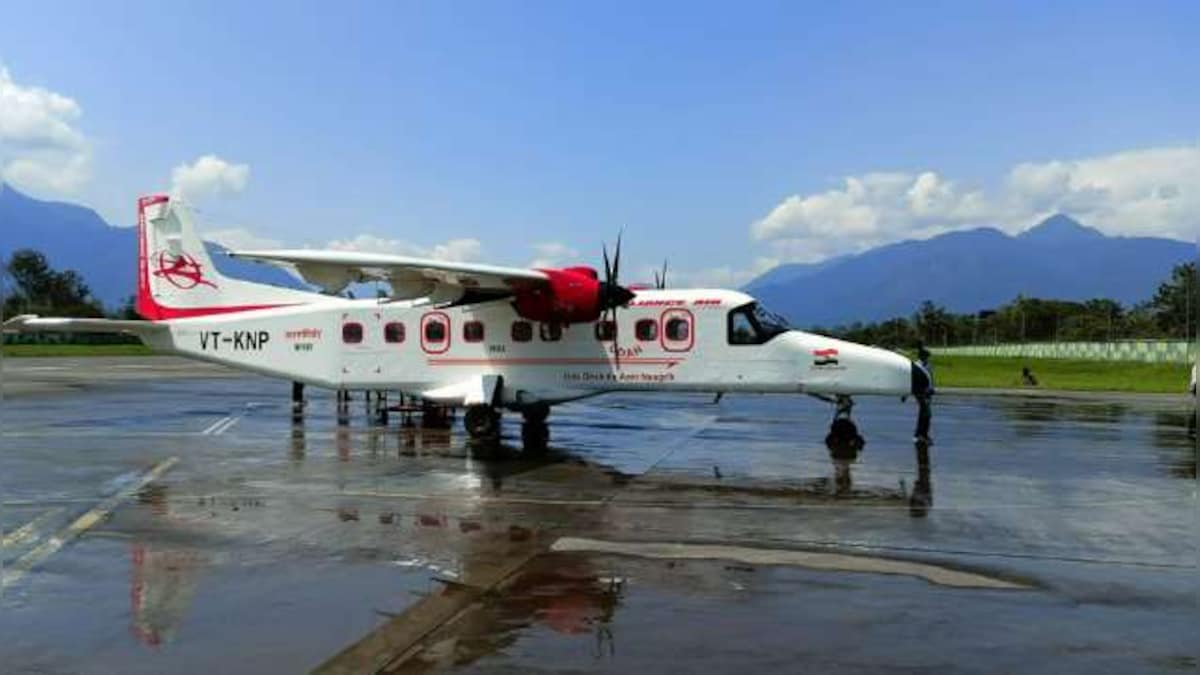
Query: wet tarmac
<point>186,524</point>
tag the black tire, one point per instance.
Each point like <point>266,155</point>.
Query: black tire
<point>536,414</point>
<point>843,428</point>
<point>535,437</point>
<point>481,421</point>
<point>844,441</point>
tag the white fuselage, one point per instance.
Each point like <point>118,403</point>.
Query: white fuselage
<point>371,344</point>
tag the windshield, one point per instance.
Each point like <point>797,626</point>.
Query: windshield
<point>769,321</point>
<point>751,324</point>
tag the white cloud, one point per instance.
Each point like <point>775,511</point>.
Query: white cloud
<point>553,254</point>
<point>867,211</point>
<point>454,250</point>
<point>41,149</point>
<point>208,176</point>
<point>1150,192</point>
<point>240,238</point>
<point>1153,191</point>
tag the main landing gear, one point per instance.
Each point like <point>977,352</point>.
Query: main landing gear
<point>535,433</point>
<point>843,437</point>
<point>482,423</point>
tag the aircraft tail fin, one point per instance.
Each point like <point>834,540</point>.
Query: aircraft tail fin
<point>176,275</point>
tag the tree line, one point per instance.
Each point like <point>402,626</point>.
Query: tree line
<point>31,286</point>
<point>1169,314</point>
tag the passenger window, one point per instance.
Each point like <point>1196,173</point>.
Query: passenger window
<point>393,333</point>
<point>522,331</point>
<point>606,331</point>
<point>473,331</point>
<point>352,333</point>
<point>550,332</point>
<point>677,329</point>
<point>646,330</point>
<point>435,331</point>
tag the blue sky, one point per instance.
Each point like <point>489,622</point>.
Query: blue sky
<point>727,137</point>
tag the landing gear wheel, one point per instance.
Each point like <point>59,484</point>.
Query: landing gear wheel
<point>535,437</point>
<point>844,438</point>
<point>482,422</point>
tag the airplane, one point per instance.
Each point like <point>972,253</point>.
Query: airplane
<point>480,337</point>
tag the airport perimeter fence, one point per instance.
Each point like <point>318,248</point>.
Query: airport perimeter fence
<point>1151,351</point>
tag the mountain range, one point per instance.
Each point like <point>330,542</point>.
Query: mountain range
<point>76,237</point>
<point>970,270</point>
<point>964,271</point>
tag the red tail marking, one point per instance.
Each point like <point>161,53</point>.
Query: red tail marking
<point>183,267</point>
<point>182,271</point>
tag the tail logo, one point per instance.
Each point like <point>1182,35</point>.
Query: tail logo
<point>181,271</point>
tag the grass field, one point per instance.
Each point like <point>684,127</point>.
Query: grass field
<point>76,350</point>
<point>1067,374</point>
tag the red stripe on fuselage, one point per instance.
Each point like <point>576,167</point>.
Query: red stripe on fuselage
<point>551,361</point>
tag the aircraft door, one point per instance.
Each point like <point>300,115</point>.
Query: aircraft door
<point>362,337</point>
<point>435,333</point>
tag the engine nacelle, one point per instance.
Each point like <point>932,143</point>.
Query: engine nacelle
<point>572,296</point>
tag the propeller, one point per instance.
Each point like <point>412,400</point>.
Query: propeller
<point>660,280</point>
<point>613,295</point>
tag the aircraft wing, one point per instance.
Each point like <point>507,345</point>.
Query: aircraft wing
<point>409,277</point>
<point>30,323</point>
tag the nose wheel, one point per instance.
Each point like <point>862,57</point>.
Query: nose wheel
<point>843,437</point>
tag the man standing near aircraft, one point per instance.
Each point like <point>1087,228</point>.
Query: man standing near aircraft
<point>924,399</point>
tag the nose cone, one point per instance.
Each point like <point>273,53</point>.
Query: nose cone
<point>831,366</point>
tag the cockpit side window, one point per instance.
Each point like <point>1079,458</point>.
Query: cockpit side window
<point>769,322</point>
<point>750,324</point>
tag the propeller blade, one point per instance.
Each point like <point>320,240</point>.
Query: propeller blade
<point>661,281</point>
<point>607,267</point>
<point>617,258</point>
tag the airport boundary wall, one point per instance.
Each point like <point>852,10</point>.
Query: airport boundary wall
<point>1150,351</point>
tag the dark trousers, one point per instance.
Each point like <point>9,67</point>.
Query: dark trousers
<point>924,416</point>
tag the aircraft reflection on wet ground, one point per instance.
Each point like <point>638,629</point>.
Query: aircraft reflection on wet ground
<point>287,547</point>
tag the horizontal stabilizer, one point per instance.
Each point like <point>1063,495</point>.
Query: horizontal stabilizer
<point>30,323</point>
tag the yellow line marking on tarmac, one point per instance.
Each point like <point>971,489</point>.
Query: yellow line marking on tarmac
<point>936,574</point>
<point>25,532</point>
<point>82,524</point>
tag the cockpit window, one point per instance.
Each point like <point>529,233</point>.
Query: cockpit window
<point>770,322</point>
<point>752,324</point>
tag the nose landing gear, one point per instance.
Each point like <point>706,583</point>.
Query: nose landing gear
<point>843,437</point>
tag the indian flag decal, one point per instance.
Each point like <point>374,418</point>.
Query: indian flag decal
<point>825,357</point>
